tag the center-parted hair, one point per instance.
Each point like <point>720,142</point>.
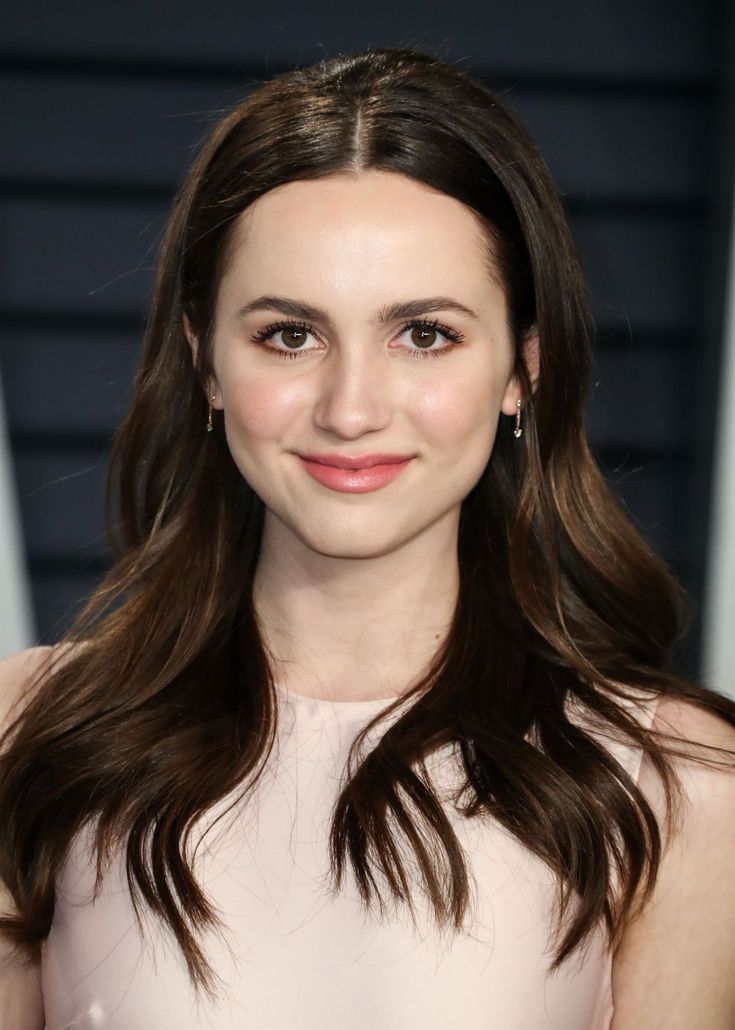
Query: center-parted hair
<point>164,701</point>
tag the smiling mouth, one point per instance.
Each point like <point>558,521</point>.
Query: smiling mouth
<point>355,480</point>
<point>364,461</point>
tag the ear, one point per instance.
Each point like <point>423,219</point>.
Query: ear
<point>191,339</point>
<point>531,360</point>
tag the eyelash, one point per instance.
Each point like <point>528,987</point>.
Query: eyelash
<point>450,334</point>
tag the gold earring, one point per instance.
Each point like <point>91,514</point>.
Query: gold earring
<point>518,431</point>
<point>210,427</point>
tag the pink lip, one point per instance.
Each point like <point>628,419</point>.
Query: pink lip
<point>355,481</point>
<point>359,461</point>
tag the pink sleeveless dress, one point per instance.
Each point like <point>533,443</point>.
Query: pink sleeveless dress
<point>295,957</point>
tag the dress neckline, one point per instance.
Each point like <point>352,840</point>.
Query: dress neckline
<point>324,704</point>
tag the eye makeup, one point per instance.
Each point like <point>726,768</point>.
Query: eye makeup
<point>431,325</point>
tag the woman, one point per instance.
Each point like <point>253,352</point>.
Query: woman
<point>374,721</point>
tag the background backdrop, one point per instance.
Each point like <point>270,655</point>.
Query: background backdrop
<point>101,110</point>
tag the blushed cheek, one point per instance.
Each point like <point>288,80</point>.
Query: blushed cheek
<point>259,409</point>
<point>453,413</point>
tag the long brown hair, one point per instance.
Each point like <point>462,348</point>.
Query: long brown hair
<point>165,702</point>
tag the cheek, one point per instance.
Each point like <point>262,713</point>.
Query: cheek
<point>260,408</point>
<point>452,412</point>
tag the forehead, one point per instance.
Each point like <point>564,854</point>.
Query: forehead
<point>352,229</point>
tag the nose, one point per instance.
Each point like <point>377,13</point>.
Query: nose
<point>353,392</point>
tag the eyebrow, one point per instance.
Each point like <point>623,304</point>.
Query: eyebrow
<point>390,313</point>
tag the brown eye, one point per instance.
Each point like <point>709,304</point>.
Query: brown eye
<point>423,336</point>
<point>297,336</point>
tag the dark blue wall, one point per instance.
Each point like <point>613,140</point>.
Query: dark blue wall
<point>102,105</point>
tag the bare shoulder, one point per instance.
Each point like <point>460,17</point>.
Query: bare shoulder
<point>706,773</point>
<point>17,668</point>
<point>21,999</point>
<point>18,673</point>
<point>685,718</point>
<point>22,672</point>
<point>673,966</point>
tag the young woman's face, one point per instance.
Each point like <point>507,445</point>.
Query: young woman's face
<point>319,364</point>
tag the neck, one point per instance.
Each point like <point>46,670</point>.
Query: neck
<point>355,628</point>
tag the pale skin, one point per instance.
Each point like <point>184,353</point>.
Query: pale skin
<point>347,578</point>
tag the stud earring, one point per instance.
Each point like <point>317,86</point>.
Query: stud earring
<point>518,431</point>
<point>210,427</point>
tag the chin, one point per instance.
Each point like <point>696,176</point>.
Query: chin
<point>350,543</point>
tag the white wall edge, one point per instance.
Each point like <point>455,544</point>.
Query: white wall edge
<point>16,617</point>
<point>718,664</point>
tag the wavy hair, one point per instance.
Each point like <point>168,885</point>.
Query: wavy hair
<point>165,701</point>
